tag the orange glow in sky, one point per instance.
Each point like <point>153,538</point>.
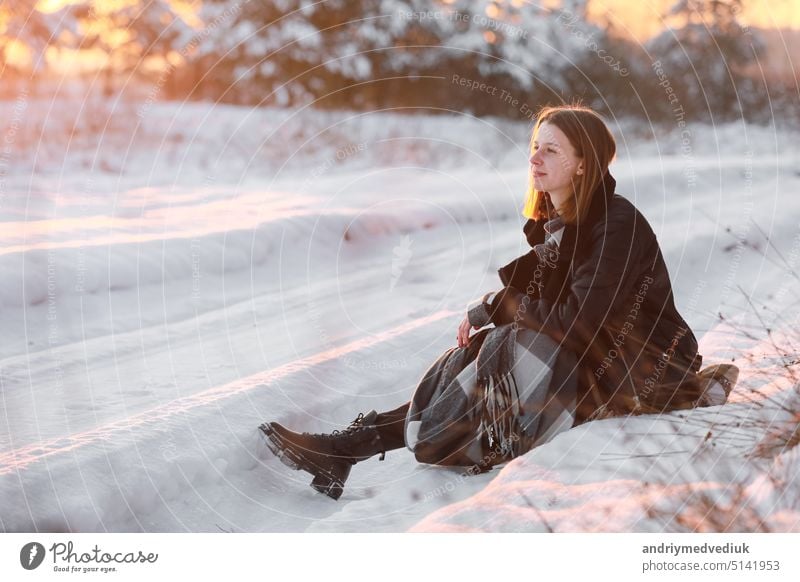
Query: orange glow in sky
<point>186,8</point>
<point>641,17</point>
<point>638,19</point>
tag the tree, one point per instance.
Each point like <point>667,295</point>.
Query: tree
<point>706,56</point>
<point>23,25</point>
<point>150,31</point>
<point>393,52</point>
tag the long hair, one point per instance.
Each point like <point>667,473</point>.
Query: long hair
<point>593,142</point>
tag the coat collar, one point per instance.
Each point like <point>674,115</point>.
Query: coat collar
<point>601,200</point>
<point>578,234</point>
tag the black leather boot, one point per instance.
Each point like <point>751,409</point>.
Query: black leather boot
<point>328,457</point>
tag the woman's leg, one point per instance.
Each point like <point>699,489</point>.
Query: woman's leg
<point>547,382</point>
<point>391,427</point>
<point>329,457</point>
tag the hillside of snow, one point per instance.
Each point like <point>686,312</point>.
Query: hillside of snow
<point>165,291</point>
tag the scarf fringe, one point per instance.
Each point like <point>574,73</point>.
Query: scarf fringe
<point>500,412</point>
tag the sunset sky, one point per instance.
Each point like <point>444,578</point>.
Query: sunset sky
<point>642,18</point>
<point>639,19</point>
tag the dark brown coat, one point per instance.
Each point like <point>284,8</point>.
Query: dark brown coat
<point>609,299</point>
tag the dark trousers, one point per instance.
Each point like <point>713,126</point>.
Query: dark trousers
<point>391,427</point>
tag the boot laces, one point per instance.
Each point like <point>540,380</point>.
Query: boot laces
<point>357,424</point>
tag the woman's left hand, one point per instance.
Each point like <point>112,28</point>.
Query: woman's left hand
<point>463,333</point>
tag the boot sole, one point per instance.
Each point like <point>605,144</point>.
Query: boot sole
<point>324,481</point>
<point>279,448</point>
<point>726,375</point>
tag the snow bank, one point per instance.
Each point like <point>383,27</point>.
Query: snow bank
<point>684,471</point>
<point>96,143</point>
<point>196,143</point>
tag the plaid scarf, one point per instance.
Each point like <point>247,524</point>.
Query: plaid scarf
<point>496,384</point>
<point>548,250</point>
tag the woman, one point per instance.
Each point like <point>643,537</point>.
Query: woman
<point>585,327</point>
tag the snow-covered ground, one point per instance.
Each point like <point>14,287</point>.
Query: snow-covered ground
<point>162,295</point>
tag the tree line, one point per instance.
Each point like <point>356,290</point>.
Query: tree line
<point>502,58</point>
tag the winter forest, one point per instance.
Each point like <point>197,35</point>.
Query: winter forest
<point>222,213</point>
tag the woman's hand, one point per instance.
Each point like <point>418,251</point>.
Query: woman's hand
<point>463,333</point>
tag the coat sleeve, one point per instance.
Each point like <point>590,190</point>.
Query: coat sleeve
<point>604,278</point>
<point>478,313</point>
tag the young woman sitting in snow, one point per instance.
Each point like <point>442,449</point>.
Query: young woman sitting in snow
<point>585,327</point>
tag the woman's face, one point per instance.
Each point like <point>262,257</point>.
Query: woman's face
<point>554,163</point>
